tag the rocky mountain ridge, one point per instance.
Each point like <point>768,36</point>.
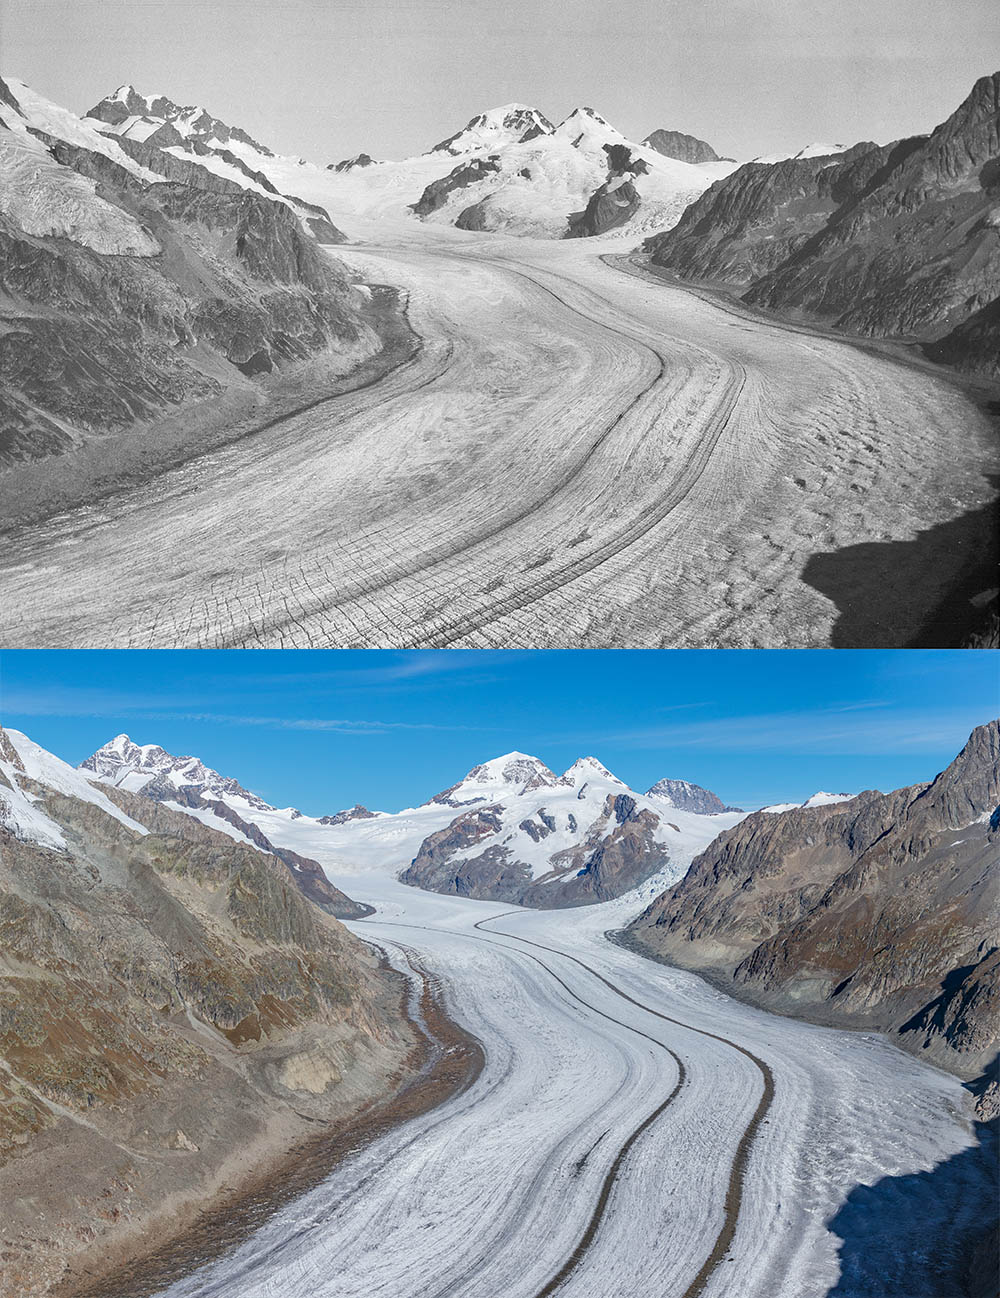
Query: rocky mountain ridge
<point>881,240</point>
<point>876,911</point>
<point>173,1014</point>
<point>685,148</point>
<point>688,797</point>
<point>186,784</point>
<point>137,282</point>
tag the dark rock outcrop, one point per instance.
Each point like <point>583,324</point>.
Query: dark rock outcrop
<point>689,797</point>
<point>357,812</point>
<point>348,164</point>
<point>438,192</point>
<point>685,148</point>
<point>894,240</point>
<point>614,202</point>
<point>878,912</point>
<point>95,342</point>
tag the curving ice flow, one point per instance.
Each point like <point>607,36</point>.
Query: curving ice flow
<point>577,456</point>
<point>594,1156</point>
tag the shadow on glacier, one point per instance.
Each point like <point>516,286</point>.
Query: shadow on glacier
<point>928,1234</point>
<point>914,594</point>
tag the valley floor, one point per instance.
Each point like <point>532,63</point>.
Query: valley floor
<point>633,1131</point>
<point>574,457</point>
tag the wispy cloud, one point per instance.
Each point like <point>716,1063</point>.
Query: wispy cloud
<point>842,729</point>
<point>68,702</point>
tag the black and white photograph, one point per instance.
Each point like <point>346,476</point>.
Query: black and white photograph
<point>499,649</point>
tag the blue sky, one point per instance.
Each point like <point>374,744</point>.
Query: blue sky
<point>322,730</point>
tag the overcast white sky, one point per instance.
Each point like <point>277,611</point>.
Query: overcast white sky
<point>327,78</point>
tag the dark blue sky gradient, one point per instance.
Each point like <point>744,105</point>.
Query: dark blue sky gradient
<point>322,730</point>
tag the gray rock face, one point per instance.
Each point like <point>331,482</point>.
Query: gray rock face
<point>893,240</point>
<point>438,192</point>
<point>685,148</point>
<point>357,812</point>
<point>688,797</point>
<point>104,341</point>
<point>348,164</point>
<point>879,912</point>
<point>149,774</point>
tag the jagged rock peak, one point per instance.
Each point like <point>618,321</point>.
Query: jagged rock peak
<point>349,164</point>
<point>148,767</point>
<point>357,812</point>
<point>685,796</point>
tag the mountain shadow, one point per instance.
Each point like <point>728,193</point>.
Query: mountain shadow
<point>927,593</point>
<point>927,1234</point>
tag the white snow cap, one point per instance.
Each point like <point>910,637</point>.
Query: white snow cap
<point>589,768</point>
<point>819,799</point>
<point>822,799</point>
<point>512,768</point>
<point>52,772</point>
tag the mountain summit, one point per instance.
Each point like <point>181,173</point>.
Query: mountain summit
<point>509,124</point>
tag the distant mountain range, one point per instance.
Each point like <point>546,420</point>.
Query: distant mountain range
<point>897,239</point>
<point>508,169</point>
<point>878,911</point>
<point>158,258</point>
<point>510,829</point>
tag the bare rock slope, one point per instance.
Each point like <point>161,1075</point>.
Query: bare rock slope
<point>173,1014</point>
<point>880,911</point>
<point>900,239</point>
<point>136,281</point>
<point>145,773</point>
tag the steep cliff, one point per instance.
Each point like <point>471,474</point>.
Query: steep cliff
<point>880,911</point>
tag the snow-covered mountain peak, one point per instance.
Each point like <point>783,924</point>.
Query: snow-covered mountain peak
<point>510,773</point>
<point>157,773</point>
<point>586,769</point>
<point>128,113</point>
<point>495,129</point>
<point>23,762</point>
<point>586,129</point>
<point>818,799</point>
